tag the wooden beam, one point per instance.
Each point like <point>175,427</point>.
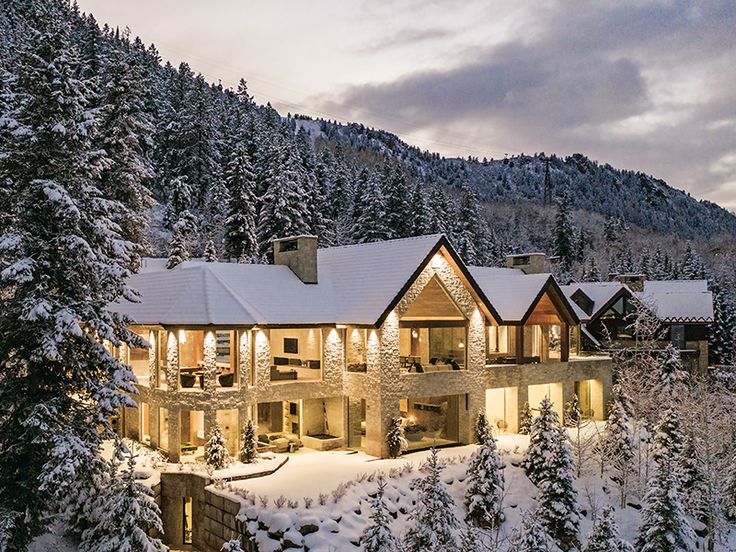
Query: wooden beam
<point>565,343</point>
<point>519,344</point>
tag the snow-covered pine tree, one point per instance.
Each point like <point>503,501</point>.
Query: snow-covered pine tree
<point>669,439</point>
<point>664,526</point>
<point>62,261</point>
<point>617,447</point>
<point>178,250</point>
<point>692,267</point>
<point>525,419</point>
<point>542,438</point>
<point>591,272</point>
<point>124,515</point>
<point>432,525</point>
<point>395,438</point>
<point>572,411</point>
<point>531,536</point>
<point>248,450</point>
<point>470,235</point>
<point>564,234</point>
<point>377,536</point>
<point>419,216</point>
<point>558,509</point>
<point>729,499</point>
<point>482,428</point>
<point>240,224</point>
<point>604,537</point>
<point>397,196</point>
<point>210,252</point>
<point>671,378</point>
<point>484,494</point>
<point>369,217</point>
<point>215,451</point>
<point>693,483</point>
<point>722,333</point>
<point>283,212</point>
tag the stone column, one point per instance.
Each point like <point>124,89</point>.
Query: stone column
<point>174,434</point>
<point>210,420</point>
<point>153,423</point>
<point>565,342</point>
<point>523,400</point>
<point>152,356</point>
<point>172,361</point>
<point>209,362</point>
<point>245,358</point>
<point>262,348</point>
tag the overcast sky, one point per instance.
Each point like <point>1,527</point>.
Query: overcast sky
<point>645,85</point>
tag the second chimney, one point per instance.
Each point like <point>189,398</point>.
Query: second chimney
<point>299,253</point>
<point>529,263</point>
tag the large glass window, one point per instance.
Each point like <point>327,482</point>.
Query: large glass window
<point>296,354</point>
<point>191,358</point>
<point>138,358</point>
<point>432,349</point>
<point>191,433</point>
<point>226,358</point>
<point>356,350</point>
<point>430,421</point>
<point>228,422</point>
<point>677,333</point>
<point>163,429</point>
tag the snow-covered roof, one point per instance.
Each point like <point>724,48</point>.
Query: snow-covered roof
<point>356,285</point>
<point>683,301</point>
<point>600,293</point>
<point>513,293</point>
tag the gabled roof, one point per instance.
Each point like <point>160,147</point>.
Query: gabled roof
<point>601,294</point>
<point>679,301</point>
<point>357,284</point>
<point>515,294</point>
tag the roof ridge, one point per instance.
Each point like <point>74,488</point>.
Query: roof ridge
<point>393,240</point>
<point>250,309</point>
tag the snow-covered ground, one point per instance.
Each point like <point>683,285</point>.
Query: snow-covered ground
<point>327,493</point>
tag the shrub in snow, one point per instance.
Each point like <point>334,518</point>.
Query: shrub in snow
<point>248,451</point>
<point>485,485</point>
<point>124,515</point>
<point>433,523</point>
<point>395,438</point>
<point>215,452</point>
<point>730,492</point>
<point>525,420</point>
<point>377,536</point>
<point>664,527</point>
<point>604,536</point>
<point>482,428</point>
<point>233,545</point>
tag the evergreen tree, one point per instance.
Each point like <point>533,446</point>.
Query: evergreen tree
<point>604,537</point>
<point>525,419</point>
<point>123,516</point>
<point>397,196</point>
<point>564,234</point>
<point>377,536</point>
<point>433,523</point>
<point>730,490</point>
<point>420,218</point>
<point>249,450</point>
<point>572,411</point>
<point>471,236</point>
<point>692,265</point>
<point>240,224</point>
<point>181,240</point>
<point>215,451</point>
<point>591,273</point>
<point>671,379</point>
<point>485,489</point>
<point>283,213</point>
<point>558,507</point>
<point>664,527</point>
<point>482,428</point>
<point>617,446</point>
<point>670,440</point>
<point>395,438</point>
<point>532,537</point>
<point>62,261</point>
<point>542,439</point>
<point>210,252</point>
<point>369,217</point>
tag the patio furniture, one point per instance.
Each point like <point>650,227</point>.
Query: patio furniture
<point>188,447</point>
<point>226,380</point>
<point>187,380</point>
<point>282,375</point>
<point>359,367</point>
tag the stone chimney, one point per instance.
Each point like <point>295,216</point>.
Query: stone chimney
<point>299,253</point>
<point>635,282</point>
<point>529,263</point>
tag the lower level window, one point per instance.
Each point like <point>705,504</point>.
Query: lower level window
<point>187,520</point>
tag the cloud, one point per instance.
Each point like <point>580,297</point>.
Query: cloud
<point>642,85</point>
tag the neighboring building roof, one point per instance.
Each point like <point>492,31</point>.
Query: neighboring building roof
<point>514,294</point>
<point>601,294</point>
<point>679,301</point>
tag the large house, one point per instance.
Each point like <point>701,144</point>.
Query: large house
<point>325,347</point>
<point>684,309</point>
